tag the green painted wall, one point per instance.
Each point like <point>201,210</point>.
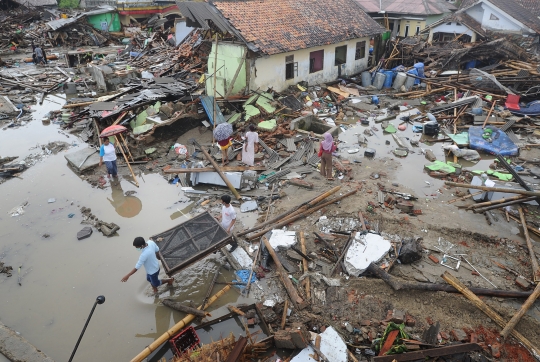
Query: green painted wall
<point>229,57</point>
<point>111,18</point>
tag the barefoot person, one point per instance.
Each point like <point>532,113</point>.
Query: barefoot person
<point>325,152</point>
<point>224,146</point>
<point>107,154</point>
<point>149,259</point>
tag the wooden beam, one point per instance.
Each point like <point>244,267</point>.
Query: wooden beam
<point>296,300</point>
<point>524,308</point>
<point>305,264</point>
<point>211,169</point>
<point>496,189</point>
<point>534,261</point>
<point>284,315</point>
<point>429,353</point>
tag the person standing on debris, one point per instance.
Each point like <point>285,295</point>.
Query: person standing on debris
<point>325,152</point>
<point>224,146</point>
<point>228,215</point>
<point>107,154</point>
<point>39,55</point>
<point>149,253</point>
<point>248,151</point>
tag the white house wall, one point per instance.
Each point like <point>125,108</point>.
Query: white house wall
<point>453,28</point>
<point>482,13</point>
<point>270,71</point>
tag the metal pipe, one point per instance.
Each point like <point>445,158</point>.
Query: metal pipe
<point>99,300</point>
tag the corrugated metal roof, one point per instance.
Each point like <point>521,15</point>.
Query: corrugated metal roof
<point>60,23</point>
<point>37,2</point>
<point>201,13</point>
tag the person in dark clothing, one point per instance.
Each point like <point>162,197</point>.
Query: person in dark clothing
<point>39,55</point>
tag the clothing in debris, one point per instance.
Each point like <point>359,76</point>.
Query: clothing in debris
<point>224,144</point>
<point>248,151</point>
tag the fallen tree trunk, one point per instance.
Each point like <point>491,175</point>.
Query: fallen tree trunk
<point>396,284</point>
<point>300,215</point>
<point>295,210</point>
<point>183,308</point>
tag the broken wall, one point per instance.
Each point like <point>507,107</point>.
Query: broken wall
<point>229,58</point>
<point>493,19</point>
<point>269,71</point>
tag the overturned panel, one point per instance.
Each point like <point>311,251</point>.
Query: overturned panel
<point>189,242</point>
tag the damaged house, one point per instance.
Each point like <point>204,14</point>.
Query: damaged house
<point>279,43</point>
<point>406,18</point>
<point>476,19</point>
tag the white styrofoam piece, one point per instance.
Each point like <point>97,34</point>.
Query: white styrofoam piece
<point>249,206</point>
<point>365,249</point>
<point>213,178</point>
<point>282,238</point>
<point>242,257</point>
<point>332,346</point>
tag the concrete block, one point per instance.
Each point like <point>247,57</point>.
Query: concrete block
<point>459,335</point>
<point>522,283</point>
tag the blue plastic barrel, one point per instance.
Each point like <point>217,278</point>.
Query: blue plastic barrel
<point>420,69</point>
<point>389,78</point>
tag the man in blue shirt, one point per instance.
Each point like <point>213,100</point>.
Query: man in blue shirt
<point>149,252</point>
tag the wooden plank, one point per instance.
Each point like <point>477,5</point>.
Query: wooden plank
<point>297,301</point>
<point>238,350</point>
<point>284,315</point>
<point>429,353</point>
<point>211,169</point>
<point>524,308</point>
<point>390,339</point>
<point>305,264</point>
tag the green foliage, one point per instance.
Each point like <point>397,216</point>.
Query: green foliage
<point>63,4</point>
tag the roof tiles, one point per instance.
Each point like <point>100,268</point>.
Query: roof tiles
<point>279,26</point>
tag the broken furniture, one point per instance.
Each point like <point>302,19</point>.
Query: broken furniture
<point>190,241</point>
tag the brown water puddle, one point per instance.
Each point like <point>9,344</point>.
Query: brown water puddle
<point>63,276</point>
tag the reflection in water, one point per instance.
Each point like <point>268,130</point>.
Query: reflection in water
<point>125,206</point>
<point>184,212</point>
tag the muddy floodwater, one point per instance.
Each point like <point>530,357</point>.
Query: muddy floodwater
<point>61,276</point>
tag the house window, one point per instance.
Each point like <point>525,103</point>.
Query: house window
<point>398,29</point>
<point>458,24</point>
<point>450,23</point>
<point>493,17</point>
<point>406,31</point>
<point>417,30</point>
<point>341,55</point>
<point>316,61</point>
<point>360,50</point>
<point>291,67</point>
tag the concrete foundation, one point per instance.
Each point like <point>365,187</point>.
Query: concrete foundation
<point>18,349</point>
<point>311,123</point>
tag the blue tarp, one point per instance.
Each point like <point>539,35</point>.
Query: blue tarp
<point>208,105</point>
<point>531,109</point>
<point>243,276</point>
<point>500,143</point>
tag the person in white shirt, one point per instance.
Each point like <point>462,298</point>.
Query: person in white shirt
<point>149,253</point>
<point>228,215</point>
<point>107,154</point>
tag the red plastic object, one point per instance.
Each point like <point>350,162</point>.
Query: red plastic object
<point>184,341</point>
<point>112,130</point>
<point>512,102</point>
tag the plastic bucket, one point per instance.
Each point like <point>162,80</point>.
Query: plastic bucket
<point>400,80</point>
<point>379,80</point>
<point>366,79</point>
<point>389,78</point>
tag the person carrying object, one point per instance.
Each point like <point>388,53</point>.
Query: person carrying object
<point>149,258</point>
<point>107,154</point>
<point>39,55</point>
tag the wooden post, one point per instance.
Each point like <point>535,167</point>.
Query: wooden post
<point>534,261</point>
<point>290,219</point>
<point>127,162</point>
<point>214,105</point>
<point>318,345</point>
<point>296,300</point>
<point>449,278</point>
<point>218,170</point>
<point>284,315</point>
<point>489,113</point>
<point>305,264</point>
<point>361,217</point>
<point>524,308</point>
<point>295,210</point>
<point>97,131</point>
<point>497,189</point>
<point>175,329</point>
<point>126,145</point>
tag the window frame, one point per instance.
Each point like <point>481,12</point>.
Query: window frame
<point>312,61</point>
<point>341,47</point>
<point>360,48</point>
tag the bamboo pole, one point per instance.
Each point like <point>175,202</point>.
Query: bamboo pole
<point>176,328</point>
<point>300,215</point>
<point>296,300</point>
<point>305,264</point>
<point>530,228</point>
<point>450,279</point>
<point>465,197</point>
<point>211,169</point>
<point>127,148</point>
<point>496,205</point>
<point>218,170</point>
<point>524,308</point>
<point>127,162</point>
<point>497,189</point>
<point>294,210</point>
<point>214,103</point>
<point>76,105</point>
<point>534,261</point>
<point>489,113</point>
